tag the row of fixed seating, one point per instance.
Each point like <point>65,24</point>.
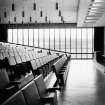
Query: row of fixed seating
<point>15,73</point>
<point>34,93</point>
<point>61,68</point>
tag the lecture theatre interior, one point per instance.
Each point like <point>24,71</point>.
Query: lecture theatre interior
<point>52,52</point>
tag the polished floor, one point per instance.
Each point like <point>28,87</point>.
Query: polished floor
<point>85,84</point>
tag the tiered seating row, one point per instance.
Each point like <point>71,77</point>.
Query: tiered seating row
<point>34,93</point>
<point>61,68</point>
<point>21,65</point>
<point>22,72</point>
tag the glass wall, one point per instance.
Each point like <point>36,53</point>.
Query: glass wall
<point>77,41</point>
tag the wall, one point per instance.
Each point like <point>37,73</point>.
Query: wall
<point>99,43</point>
<point>99,39</point>
<point>3,33</point>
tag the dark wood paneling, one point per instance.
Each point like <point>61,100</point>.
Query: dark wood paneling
<point>3,33</point>
<point>99,39</point>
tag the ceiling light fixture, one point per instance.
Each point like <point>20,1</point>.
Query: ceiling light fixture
<point>56,5</point>
<point>30,19</point>
<point>90,17</point>
<point>41,13</point>
<point>5,13</point>
<point>98,1</point>
<point>90,21</point>
<point>13,6</point>
<point>94,13</point>
<point>46,19</point>
<point>34,5</point>
<point>59,13</point>
<point>14,19</point>
<point>97,5</point>
<point>23,14</point>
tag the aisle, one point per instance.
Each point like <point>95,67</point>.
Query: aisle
<point>85,85</point>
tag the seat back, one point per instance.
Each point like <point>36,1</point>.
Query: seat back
<point>33,64</point>
<point>11,61</point>
<point>18,59</point>
<point>38,62</point>
<point>39,81</point>
<point>4,80</point>
<point>30,93</point>
<point>16,99</point>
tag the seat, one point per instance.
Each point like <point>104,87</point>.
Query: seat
<point>16,99</point>
<point>7,87</point>
<point>61,69</point>
<point>44,92</point>
<point>31,95</point>
<point>34,68</point>
<point>39,66</point>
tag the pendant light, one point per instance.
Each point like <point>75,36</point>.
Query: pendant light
<point>30,19</point>
<point>56,5</point>
<point>62,18</point>
<point>13,6</point>
<point>41,13</point>
<point>34,5</point>
<point>15,19</point>
<point>5,13</point>
<point>59,12</point>
<point>45,18</point>
<point>23,14</point>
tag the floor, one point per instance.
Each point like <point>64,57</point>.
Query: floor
<point>85,84</point>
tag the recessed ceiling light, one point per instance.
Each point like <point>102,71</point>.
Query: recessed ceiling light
<point>90,21</point>
<point>98,5</point>
<point>95,13</point>
<point>91,18</point>
<point>101,7</point>
<point>98,0</point>
<point>98,10</point>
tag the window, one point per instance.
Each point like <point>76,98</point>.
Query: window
<point>25,36</point>
<point>35,37</point>
<point>31,41</point>
<point>20,36</point>
<point>73,43</point>
<point>46,38</point>
<point>9,35</point>
<point>41,38</point>
<point>67,40</point>
<point>56,39</point>
<point>77,41</point>
<point>79,50</point>
<point>62,39</point>
<point>51,38</point>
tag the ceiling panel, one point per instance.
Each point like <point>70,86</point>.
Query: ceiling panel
<point>68,10</point>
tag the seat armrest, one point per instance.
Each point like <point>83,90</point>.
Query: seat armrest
<point>9,88</point>
<point>61,71</point>
<point>14,83</point>
<point>48,98</point>
<point>36,72</point>
<point>64,67</point>
<point>53,89</point>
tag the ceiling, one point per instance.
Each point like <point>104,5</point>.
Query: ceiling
<point>46,11</point>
